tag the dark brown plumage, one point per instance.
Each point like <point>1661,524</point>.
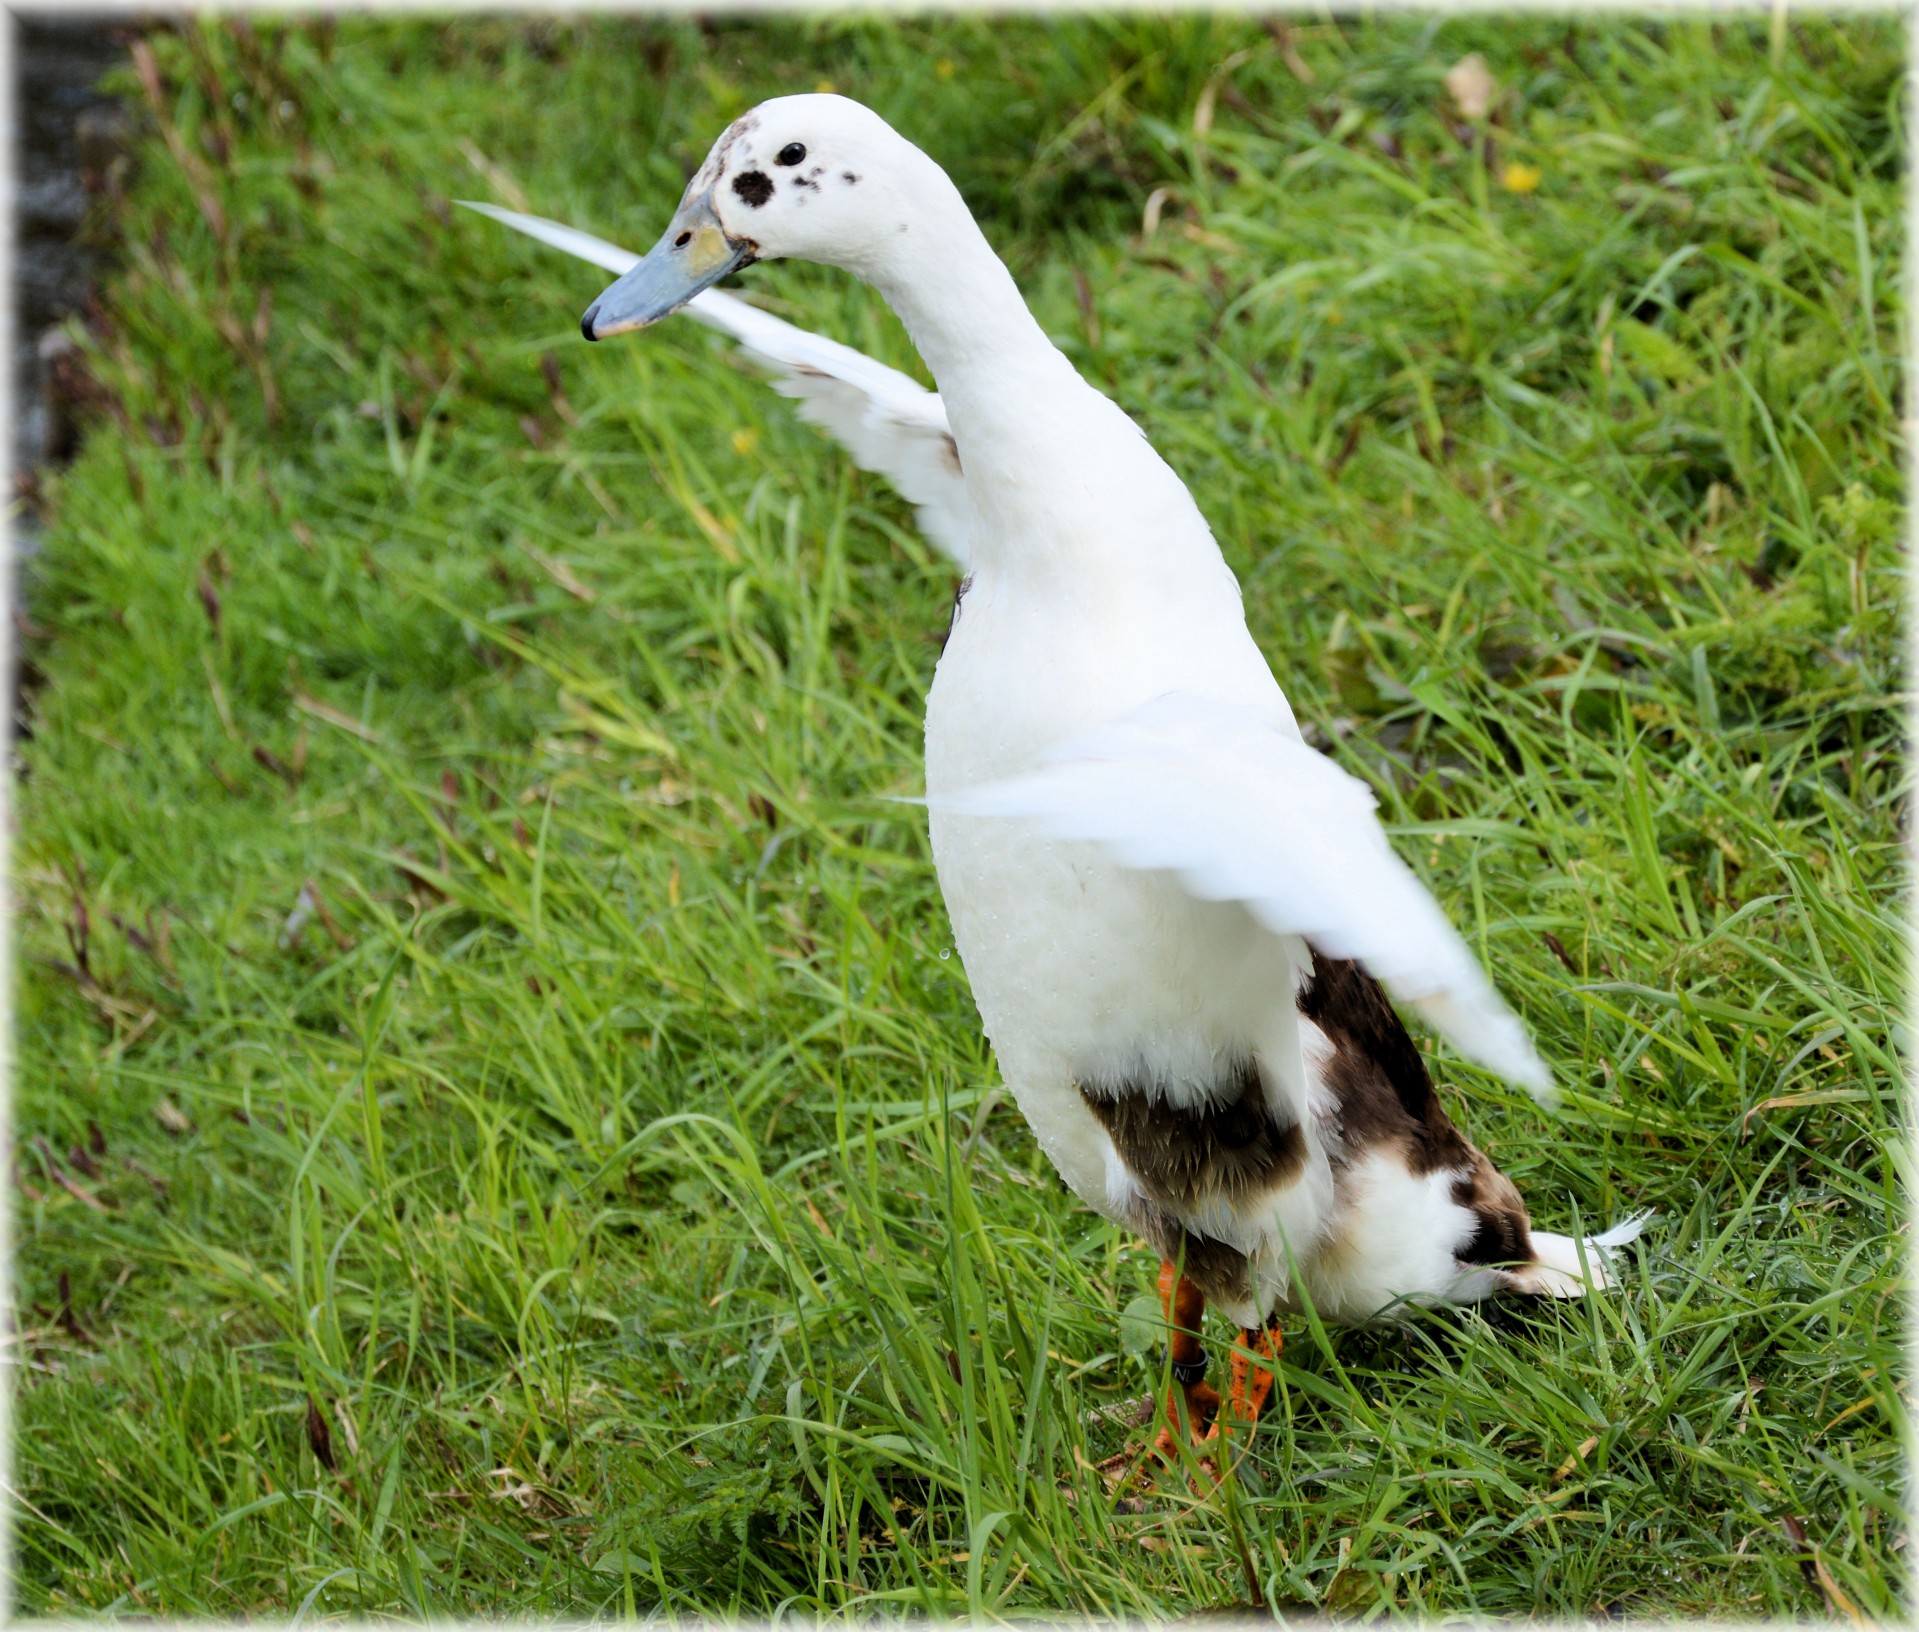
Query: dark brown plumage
<point>1179,1155</point>
<point>1386,1097</point>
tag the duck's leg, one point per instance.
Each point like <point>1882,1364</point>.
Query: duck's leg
<point>1251,1383</point>
<point>1185,1307</point>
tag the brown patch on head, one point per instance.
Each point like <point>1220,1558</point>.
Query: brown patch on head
<point>715,164</point>
<point>1504,1231</point>
<point>1179,1156</point>
<point>1375,1073</point>
<point>754,187</point>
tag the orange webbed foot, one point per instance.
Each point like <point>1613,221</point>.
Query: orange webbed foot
<point>1192,1411</point>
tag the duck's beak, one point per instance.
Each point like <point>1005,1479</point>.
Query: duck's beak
<point>693,253</point>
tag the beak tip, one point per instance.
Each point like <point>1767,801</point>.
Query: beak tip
<point>586,322</point>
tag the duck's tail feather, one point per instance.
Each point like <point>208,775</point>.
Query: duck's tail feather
<point>1558,1270</point>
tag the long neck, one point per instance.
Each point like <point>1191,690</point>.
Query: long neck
<point>1068,492</point>
<point>1031,433</point>
<point>969,322</point>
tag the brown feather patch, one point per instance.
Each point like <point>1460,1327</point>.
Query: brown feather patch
<point>1504,1232</point>
<point>1375,1072</point>
<point>1386,1096</point>
<point>1218,1270</point>
<point>1181,1154</point>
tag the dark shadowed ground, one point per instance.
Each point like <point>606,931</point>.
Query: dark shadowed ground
<point>64,138</point>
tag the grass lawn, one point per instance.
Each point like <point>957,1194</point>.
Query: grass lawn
<point>595,1197</point>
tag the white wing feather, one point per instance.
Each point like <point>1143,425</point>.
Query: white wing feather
<point>891,424</point>
<point>1211,792</point>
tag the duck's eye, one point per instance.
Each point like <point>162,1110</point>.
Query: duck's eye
<point>792,153</point>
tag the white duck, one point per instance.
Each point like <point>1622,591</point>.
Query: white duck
<point>1176,917</point>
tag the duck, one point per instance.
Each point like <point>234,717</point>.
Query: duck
<point>1187,934</point>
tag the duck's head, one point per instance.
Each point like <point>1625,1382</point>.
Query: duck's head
<point>816,178</point>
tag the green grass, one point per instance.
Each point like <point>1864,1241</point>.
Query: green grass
<point>616,1215</point>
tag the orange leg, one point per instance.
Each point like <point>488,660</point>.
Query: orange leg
<point>1184,1306</point>
<point>1251,1383</point>
<point>1191,1406</point>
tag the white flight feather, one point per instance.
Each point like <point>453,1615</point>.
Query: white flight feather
<point>891,424</point>
<point>1210,791</point>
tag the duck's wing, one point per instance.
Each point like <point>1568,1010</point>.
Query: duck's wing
<point>891,424</point>
<point>1239,811</point>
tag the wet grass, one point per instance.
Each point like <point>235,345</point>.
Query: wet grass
<point>593,1198</point>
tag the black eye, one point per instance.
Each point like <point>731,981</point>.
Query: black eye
<point>792,153</point>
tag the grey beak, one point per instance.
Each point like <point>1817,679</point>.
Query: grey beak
<point>693,253</point>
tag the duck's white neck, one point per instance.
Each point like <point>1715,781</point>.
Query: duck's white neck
<point>1036,440</point>
<point>956,297</point>
<point>1071,498</point>
<point>1017,407</point>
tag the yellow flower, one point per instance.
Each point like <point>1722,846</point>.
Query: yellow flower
<point>825,87</point>
<point>944,67</point>
<point>1521,178</point>
<point>745,440</point>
